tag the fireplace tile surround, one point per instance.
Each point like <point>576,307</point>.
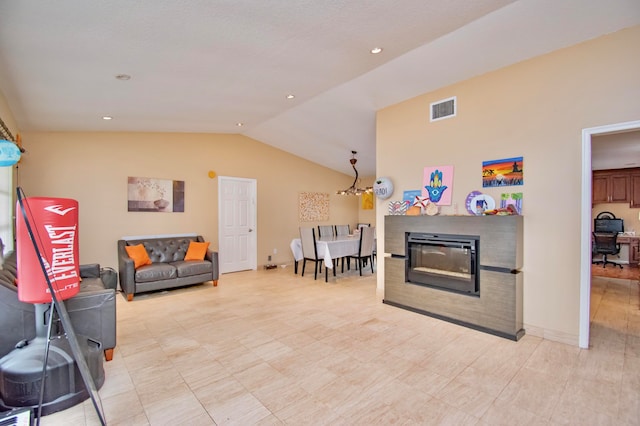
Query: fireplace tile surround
<point>497,309</point>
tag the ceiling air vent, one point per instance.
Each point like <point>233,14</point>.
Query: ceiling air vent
<point>445,108</point>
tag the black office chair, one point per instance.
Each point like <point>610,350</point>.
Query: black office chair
<point>606,243</point>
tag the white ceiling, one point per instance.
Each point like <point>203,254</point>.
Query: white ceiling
<point>615,151</point>
<point>205,65</point>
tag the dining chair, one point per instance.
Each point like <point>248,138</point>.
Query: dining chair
<point>365,248</point>
<point>310,252</point>
<point>325,231</point>
<point>375,252</point>
<point>343,230</point>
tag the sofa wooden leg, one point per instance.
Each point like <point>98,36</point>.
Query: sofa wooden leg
<point>108,354</point>
<point>215,283</point>
<point>130,297</point>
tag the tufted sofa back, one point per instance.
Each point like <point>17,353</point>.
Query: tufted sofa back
<point>169,249</point>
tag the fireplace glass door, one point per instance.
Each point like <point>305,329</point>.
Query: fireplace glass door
<point>443,261</point>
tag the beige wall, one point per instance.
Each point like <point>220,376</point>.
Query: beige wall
<point>93,169</point>
<point>7,115</point>
<point>535,109</point>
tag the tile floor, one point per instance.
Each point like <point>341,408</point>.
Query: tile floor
<point>273,348</point>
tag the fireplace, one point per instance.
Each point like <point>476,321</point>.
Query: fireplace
<point>443,261</point>
<point>480,286</point>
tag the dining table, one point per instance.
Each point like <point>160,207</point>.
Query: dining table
<point>328,248</point>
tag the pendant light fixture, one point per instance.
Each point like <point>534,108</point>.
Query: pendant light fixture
<point>353,189</point>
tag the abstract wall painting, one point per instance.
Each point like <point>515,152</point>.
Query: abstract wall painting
<point>155,195</point>
<point>505,172</point>
<point>313,206</point>
<point>438,184</point>
<point>367,201</point>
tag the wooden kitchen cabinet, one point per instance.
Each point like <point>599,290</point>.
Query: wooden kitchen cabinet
<point>611,187</point>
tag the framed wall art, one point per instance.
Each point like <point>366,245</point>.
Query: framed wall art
<point>438,184</point>
<point>155,195</point>
<point>367,201</point>
<point>505,172</point>
<point>313,206</point>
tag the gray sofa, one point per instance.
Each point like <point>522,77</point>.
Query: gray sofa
<point>92,311</point>
<point>169,269</point>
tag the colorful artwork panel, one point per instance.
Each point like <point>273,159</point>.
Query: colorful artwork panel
<point>505,172</point>
<point>513,199</point>
<point>438,184</point>
<point>409,197</point>
<point>367,201</point>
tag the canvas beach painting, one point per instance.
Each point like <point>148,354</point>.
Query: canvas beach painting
<point>504,172</point>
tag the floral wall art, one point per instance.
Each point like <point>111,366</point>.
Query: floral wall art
<point>314,206</point>
<point>155,195</point>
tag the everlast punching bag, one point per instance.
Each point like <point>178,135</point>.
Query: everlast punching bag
<point>47,374</point>
<point>54,223</point>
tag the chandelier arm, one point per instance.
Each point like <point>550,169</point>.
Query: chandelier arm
<point>353,185</point>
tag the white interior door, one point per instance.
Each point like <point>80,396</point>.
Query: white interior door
<point>237,224</point>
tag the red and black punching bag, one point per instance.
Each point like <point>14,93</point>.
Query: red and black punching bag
<point>54,223</point>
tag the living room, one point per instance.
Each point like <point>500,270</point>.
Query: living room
<point>536,109</point>
<point>551,306</point>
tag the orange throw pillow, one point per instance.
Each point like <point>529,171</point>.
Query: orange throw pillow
<point>139,255</point>
<point>196,251</point>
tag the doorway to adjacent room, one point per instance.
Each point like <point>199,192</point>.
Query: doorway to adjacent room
<point>585,222</point>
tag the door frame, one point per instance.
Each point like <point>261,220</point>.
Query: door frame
<point>585,223</point>
<point>253,246</point>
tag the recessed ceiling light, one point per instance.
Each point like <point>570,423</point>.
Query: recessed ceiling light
<point>290,96</point>
<point>106,117</point>
<point>239,124</point>
<point>376,50</point>
<point>123,77</point>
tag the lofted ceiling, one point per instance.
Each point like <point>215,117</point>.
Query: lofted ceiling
<point>205,65</point>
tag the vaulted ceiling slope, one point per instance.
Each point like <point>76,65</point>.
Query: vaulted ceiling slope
<point>206,65</point>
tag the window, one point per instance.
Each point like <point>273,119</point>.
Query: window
<point>6,207</point>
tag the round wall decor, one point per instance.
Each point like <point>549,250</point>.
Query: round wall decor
<point>383,188</point>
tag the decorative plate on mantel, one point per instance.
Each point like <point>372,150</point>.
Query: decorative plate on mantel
<point>477,203</point>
